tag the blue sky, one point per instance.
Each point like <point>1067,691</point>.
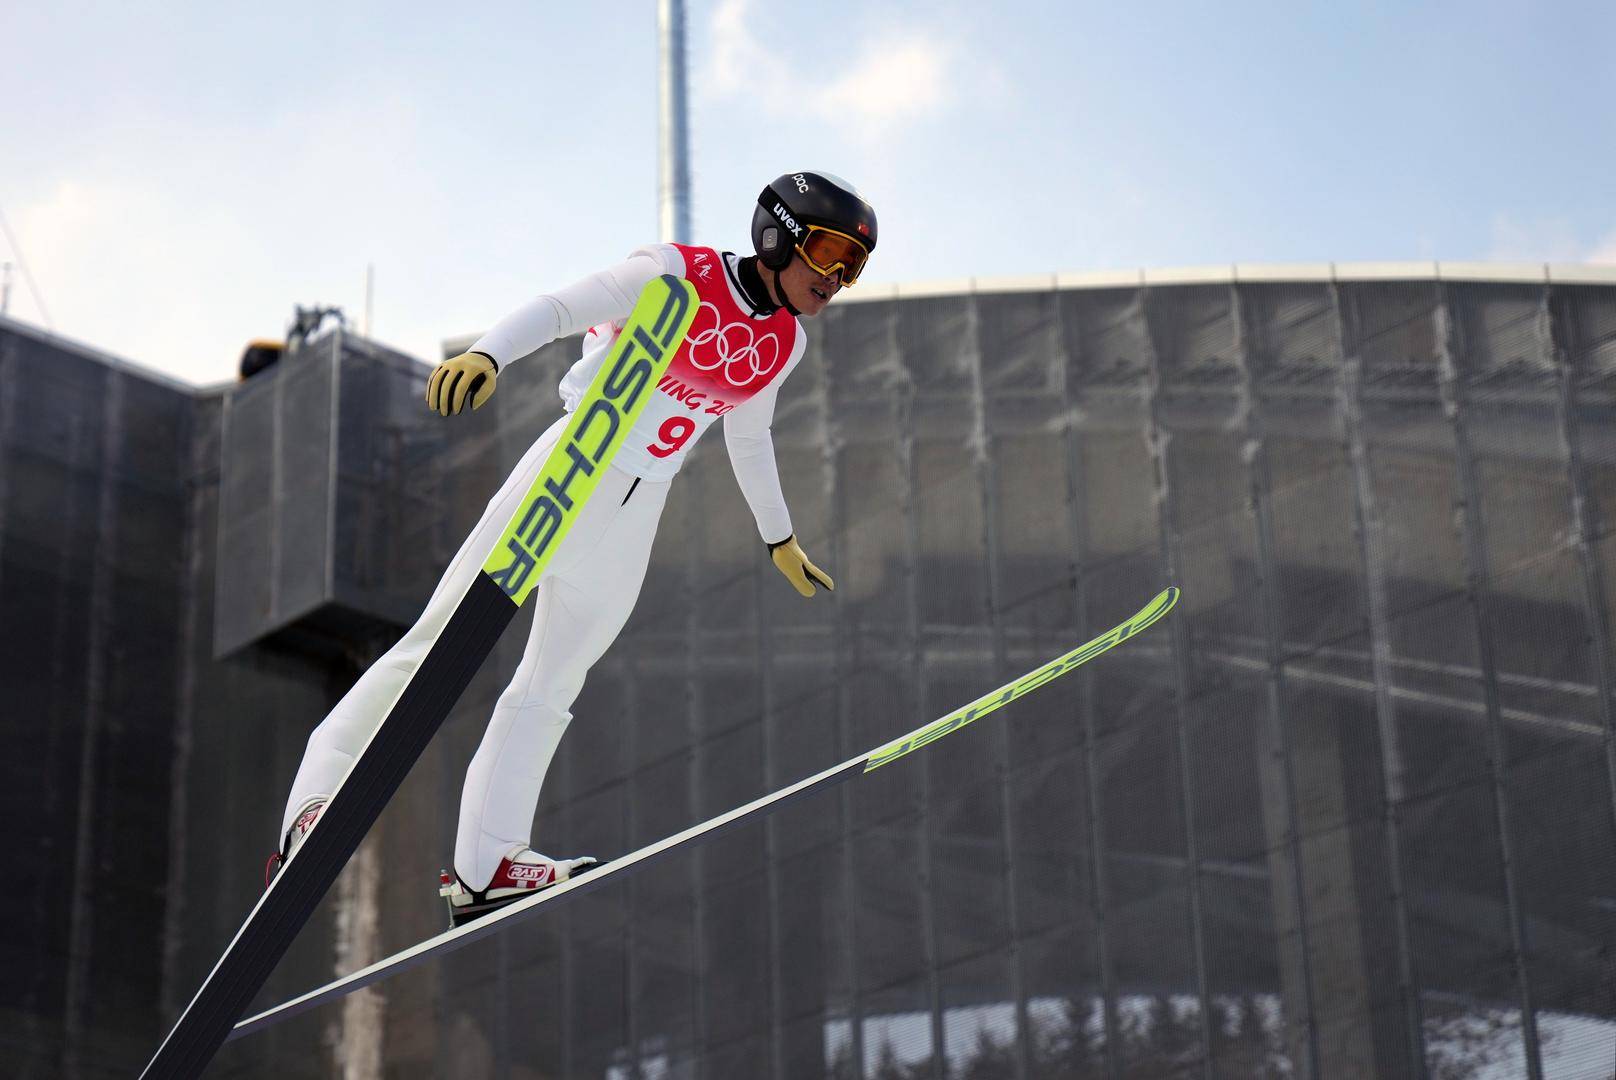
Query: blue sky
<point>178,180</point>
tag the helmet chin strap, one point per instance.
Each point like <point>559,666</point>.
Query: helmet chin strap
<point>750,271</point>
<point>780,291</point>
<point>757,290</point>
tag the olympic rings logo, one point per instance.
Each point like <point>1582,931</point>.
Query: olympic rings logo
<point>733,347</point>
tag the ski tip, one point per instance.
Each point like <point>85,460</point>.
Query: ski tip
<point>1158,607</point>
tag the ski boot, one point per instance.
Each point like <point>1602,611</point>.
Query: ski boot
<point>521,872</point>
<point>306,817</point>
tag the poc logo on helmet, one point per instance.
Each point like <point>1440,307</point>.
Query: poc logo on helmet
<point>802,183</point>
<point>787,220</point>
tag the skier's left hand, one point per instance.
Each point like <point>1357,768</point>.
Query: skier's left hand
<point>789,560</point>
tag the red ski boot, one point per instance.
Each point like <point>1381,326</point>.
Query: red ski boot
<point>521,873</point>
<point>306,817</point>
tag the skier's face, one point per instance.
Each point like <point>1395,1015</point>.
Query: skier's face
<point>807,289</point>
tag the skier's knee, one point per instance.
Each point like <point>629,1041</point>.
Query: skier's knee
<point>533,711</point>
<point>547,714</point>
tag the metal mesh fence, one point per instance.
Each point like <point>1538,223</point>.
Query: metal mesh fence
<point>1348,812</point>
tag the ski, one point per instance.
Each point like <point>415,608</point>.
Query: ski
<point>506,917</point>
<point>652,335</point>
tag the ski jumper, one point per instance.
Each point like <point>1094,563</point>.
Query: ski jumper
<point>730,366</point>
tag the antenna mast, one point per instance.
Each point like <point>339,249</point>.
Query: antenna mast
<point>673,143</point>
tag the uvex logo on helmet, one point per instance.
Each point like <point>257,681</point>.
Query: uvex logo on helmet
<point>787,220</point>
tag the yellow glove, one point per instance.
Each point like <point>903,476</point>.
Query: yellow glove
<point>789,559</point>
<point>467,375</point>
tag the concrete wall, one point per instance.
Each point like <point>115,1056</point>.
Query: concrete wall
<point>93,549</point>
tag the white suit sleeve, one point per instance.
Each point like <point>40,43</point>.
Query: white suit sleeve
<point>751,455</point>
<point>598,298</point>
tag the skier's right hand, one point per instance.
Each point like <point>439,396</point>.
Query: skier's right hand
<point>467,375</point>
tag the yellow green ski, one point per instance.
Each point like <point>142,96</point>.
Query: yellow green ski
<point>1029,682</point>
<point>654,331</point>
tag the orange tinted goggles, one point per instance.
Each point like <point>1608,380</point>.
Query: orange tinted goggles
<point>830,252</point>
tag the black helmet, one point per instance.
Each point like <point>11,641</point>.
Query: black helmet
<point>795,204</point>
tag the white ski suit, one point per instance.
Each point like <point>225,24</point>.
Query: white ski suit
<point>731,366</point>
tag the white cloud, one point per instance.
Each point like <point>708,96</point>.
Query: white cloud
<point>899,75</point>
<point>178,242</point>
<point>126,266</point>
<point>1605,250</point>
<point>736,53</point>
<point>1541,239</point>
<point>893,82</point>
<point>1547,239</point>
